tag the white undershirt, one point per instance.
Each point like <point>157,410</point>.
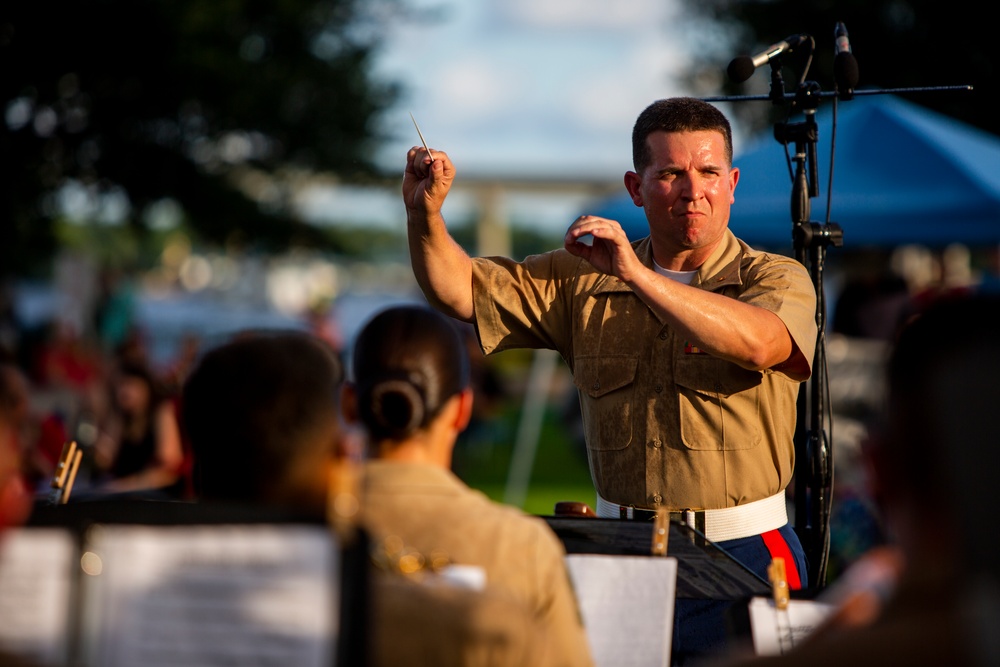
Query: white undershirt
<point>685,277</point>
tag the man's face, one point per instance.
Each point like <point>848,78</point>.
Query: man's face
<point>686,191</point>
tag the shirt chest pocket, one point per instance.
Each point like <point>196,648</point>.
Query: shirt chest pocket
<point>719,404</point>
<point>607,390</point>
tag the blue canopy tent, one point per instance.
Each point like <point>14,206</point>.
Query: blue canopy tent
<point>902,174</point>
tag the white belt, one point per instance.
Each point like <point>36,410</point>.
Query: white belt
<point>729,523</point>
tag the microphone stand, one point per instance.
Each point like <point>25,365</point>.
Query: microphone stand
<point>814,456</point>
<point>813,473</point>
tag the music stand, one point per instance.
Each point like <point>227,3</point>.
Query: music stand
<point>704,571</point>
<point>353,577</point>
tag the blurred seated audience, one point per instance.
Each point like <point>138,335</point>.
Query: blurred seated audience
<point>872,305</point>
<point>64,359</point>
<point>931,596</point>
<point>38,434</point>
<point>15,497</point>
<point>138,448</point>
<point>411,391</point>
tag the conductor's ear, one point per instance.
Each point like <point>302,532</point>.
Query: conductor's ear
<point>633,183</point>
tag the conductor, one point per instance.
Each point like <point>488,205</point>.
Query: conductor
<point>687,347</point>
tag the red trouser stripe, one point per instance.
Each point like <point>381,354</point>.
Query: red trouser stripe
<point>778,548</point>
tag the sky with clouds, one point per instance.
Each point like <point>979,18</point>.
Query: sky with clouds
<point>525,87</point>
<point>532,86</point>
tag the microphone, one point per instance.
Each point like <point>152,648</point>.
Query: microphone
<point>742,67</point>
<point>845,66</point>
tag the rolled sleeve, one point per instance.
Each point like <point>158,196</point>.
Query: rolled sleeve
<point>783,286</point>
<point>522,304</point>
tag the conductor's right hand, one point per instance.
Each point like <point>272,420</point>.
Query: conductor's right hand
<point>426,181</point>
<point>442,268</point>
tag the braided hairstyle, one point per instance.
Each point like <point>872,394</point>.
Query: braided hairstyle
<point>408,361</point>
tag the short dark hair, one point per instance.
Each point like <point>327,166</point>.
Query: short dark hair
<point>941,429</point>
<point>677,114</point>
<point>408,361</point>
<point>942,391</point>
<point>251,405</point>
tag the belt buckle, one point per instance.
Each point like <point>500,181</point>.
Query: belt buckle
<point>633,513</point>
<point>692,519</point>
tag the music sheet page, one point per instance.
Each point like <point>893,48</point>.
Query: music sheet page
<point>264,595</point>
<point>36,568</point>
<point>634,592</point>
<point>777,630</point>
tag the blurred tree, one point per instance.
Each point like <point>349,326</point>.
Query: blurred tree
<point>130,103</point>
<point>897,44</point>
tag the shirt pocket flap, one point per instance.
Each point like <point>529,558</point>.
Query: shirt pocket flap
<point>597,376</point>
<point>706,374</point>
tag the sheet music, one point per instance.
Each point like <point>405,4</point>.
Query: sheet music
<point>211,595</point>
<point>775,631</point>
<point>633,592</point>
<point>36,567</point>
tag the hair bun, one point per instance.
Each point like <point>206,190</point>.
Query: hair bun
<point>398,406</point>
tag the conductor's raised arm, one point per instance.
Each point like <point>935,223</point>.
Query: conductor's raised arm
<point>442,268</point>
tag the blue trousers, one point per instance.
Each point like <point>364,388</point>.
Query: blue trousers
<point>700,626</point>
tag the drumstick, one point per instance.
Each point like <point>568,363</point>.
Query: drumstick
<point>421,134</point>
<point>62,472</point>
<point>71,477</point>
<point>62,467</point>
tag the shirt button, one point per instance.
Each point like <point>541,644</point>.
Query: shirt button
<point>597,385</point>
<point>658,388</point>
<point>663,335</point>
<point>655,443</point>
<point>657,499</point>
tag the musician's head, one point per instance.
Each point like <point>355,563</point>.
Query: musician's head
<point>934,465</point>
<point>263,417</point>
<point>411,380</point>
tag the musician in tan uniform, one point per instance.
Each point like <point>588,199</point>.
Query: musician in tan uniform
<point>411,392</point>
<point>687,347</point>
<point>263,416</point>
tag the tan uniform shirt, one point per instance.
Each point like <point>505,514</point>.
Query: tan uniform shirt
<point>430,509</point>
<point>447,626</point>
<point>665,424</point>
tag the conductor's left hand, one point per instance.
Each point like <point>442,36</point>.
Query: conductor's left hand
<point>610,251</point>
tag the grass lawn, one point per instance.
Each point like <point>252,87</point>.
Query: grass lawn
<point>559,471</point>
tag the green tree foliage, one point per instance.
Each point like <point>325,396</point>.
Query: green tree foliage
<point>204,103</point>
<point>897,44</point>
